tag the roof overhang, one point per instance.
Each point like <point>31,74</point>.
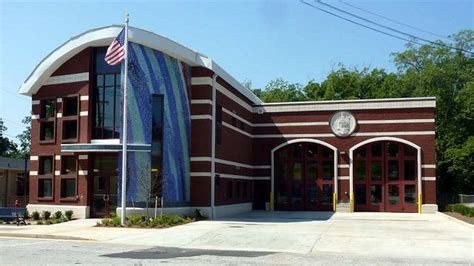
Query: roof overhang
<point>104,36</point>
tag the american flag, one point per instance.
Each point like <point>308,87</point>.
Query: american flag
<point>116,51</point>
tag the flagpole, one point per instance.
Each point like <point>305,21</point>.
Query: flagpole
<point>124,130</point>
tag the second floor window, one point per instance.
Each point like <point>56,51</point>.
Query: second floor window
<point>107,98</point>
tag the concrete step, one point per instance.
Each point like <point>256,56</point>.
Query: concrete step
<point>343,207</point>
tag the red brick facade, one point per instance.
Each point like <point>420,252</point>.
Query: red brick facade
<point>247,133</point>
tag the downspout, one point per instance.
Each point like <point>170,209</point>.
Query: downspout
<point>213,149</point>
<point>420,188</point>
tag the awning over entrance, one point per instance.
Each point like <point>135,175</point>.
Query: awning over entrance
<point>104,147</point>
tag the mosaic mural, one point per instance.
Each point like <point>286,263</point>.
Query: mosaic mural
<point>153,72</point>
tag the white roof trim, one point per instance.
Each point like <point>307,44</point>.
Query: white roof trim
<point>103,37</point>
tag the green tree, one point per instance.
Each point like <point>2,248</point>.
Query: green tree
<point>25,137</point>
<point>427,70</point>
<point>8,148</point>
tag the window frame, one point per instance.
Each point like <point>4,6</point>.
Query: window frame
<point>219,113</point>
<point>65,99</point>
<point>43,176</point>
<point>99,129</point>
<point>44,120</point>
<point>63,178</point>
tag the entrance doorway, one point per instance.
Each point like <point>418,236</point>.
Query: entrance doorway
<point>385,177</point>
<point>104,186</point>
<point>304,177</point>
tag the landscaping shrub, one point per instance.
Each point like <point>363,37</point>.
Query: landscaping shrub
<point>26,215</point>
<point>36,216</point>
<point>48,222</point>
<point>1,221</point>
<point>461,209</point>
<point>39,223</point>
<point>58,215</point>
<point>46,215</point>
<point>69,214</point>
<point>197,215</point>
<point>135,219</point>
<point>116,221</point>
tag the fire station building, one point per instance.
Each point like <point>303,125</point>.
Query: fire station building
<point>198,139</point>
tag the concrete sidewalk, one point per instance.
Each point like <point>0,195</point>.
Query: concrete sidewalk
<point>372,234</point>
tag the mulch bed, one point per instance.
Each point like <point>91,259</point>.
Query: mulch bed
<point>463,218</point>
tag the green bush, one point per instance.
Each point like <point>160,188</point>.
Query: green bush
<point>48,222</point>
<point>135,219</point>
<point>58,215</point>
<point>26,215</point>
<point>1,222</point>
<point>461,209</point>
<point>36,216</point>
<point>197,215</point>
<point>46,215</point>
<point>116,221</point>
<point>105,222</point>
<point>39,223</point>
<point>69,214</point>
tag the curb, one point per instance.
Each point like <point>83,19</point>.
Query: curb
<point>456,220</point>
<point>44,236</point>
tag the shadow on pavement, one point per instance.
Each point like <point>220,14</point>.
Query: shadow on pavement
<point>168,253</point>
<point>278,217</point>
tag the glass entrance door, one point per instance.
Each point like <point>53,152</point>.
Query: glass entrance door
<point>104,186</point>
<point>104,197</point>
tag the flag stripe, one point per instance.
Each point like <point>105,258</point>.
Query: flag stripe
<point>116,51</point>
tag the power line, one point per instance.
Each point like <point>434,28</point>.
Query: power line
<point>14,94</point>
<point>380,25</point>
<point>11,121</point>
<point>392,20</point>
<point>360,24</point>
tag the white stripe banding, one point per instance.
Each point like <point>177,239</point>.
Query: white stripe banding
<point>70,78</point>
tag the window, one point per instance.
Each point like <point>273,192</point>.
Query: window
<point>360,170</point>
<point>245,189</point>
<point>68,164</point>
<point>376,170</point>
<point>234,121</point>
<point>46,131</point>
<point>392,149</point>
<point>392,170</point>
<point>376,149</point>
<point>21,184</point>
<point>410,194</point>
<point>48,108</point>
<point>156,145</point>
<point>68,187</point>
<point>230,187</point>
<point>218,124</point>
<point>70,106</point>
<point>328,170</point>
<point>107,98</point>
<point>45,165</point>
<point>360,193</point>
<point>70,129</point>
<point>237,189</point>
<point>45,188</point>
<point>410,169</point>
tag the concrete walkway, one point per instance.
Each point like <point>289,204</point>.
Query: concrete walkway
<point>371,234</point>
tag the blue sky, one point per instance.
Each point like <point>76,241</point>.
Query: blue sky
<point>255,40</point>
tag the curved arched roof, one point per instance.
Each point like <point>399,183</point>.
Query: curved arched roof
<point>103,37</point>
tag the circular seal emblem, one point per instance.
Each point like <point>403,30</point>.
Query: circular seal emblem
<point>343,124</point>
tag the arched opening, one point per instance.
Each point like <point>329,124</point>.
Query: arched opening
<point>385,176</point>
<point>303,176</point>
